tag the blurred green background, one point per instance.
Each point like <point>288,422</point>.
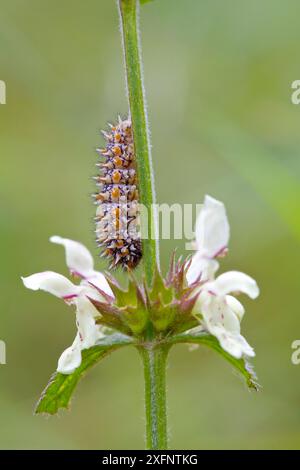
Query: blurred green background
<point>218,75</point>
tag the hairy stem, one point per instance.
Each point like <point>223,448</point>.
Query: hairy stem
<point>128,10</point>
<point>154,359</point>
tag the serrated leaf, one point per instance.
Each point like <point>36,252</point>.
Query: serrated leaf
<point>60,388</point>
<point>240,365</point>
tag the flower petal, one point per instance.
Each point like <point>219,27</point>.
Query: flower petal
<point>201,269</point>
<point>88,330</point>
<point>235,306</point>
<point>234,344</point>
<point>217,313</point>
<point>78,258</point>
<point>98,279</point>
<point>70,358</point>
<point>234,281</point>
<point>87,336</point>
<point>51,282</point>
<point>220,317</point>
<point>212,228</point>
<point>80,261</point>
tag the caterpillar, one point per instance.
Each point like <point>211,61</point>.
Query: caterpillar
<point>117,216</point>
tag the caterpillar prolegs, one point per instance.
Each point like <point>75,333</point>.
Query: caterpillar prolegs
<point>117,217</point>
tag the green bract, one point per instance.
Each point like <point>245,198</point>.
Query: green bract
<point>148,319</point>
<point>162,310</point>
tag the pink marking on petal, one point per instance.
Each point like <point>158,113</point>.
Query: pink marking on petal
<point>106,296</point>
<point>69,298</point>
<point>221,253</point>
<point>76,274</point>
<point>211,292</point>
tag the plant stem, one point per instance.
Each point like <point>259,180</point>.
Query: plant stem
<point>154,356</point>
<point>128,10</point>
<point>154,359</point>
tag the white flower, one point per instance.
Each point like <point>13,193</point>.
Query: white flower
<point>221,313</point>
<point>212,235</point>
<point>80,262</point>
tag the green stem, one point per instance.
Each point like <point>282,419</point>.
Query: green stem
<point>128,10</point>
<point>154,359</point>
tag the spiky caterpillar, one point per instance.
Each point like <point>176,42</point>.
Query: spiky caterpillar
<point>117,198</point>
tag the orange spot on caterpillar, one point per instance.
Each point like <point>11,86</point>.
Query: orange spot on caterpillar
<point>117,161</point>
<point>116,176</point>
<point>115,193</point>
<point>117,150</point>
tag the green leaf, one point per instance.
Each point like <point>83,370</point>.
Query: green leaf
<point>145,1</point>
<point>60,388</point>
<point>241,365</point>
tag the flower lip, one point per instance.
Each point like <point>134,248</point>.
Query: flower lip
<point>235,281</point>
<point>51,282</point>
<point>93,286</point>
<point>70,359</point>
